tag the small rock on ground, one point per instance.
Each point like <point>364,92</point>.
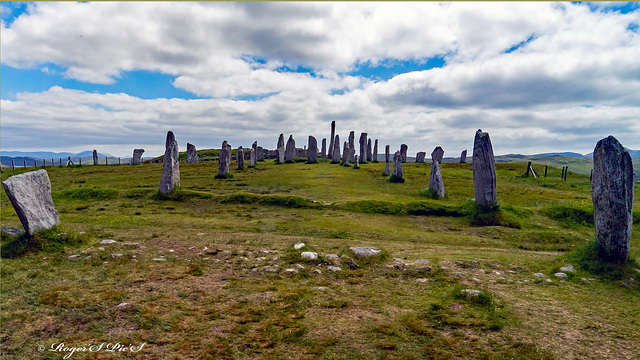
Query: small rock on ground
<point>107,241</point>
<point>365,251</point>
<point>334,268</point>
<point>298,246</point>
<point>561,275</point>
<point>567,268</point>
<point>470,292</point>
<point>540,275</point>
<point>309,255</point>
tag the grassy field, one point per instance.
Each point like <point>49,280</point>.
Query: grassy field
<point>202,273</point>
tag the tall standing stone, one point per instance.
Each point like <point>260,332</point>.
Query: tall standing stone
<point>403,152</point>
<point>323,152</point>
<point>346,154</point>
<point>224,160</point>
<point>352,146</point>
<point>612,196</point>
<point>331,140</point>
<point>375,151</point>
<point>420,156</point>
<point>280,150</point>
<point>387,170</point>
<point>312,150</point>
<point>253,155</point>
<point>240,158</point>
<point>356,162</point>
<point>335,153</point>
<point>95,157</point>
<point>363,148</point>
<point>192,154</point>
<point>170,165</point>
<point>396,176</point>
<point>369,151</point>
<point>290,150</point>
<point>30,195</point>
<point>137,156</point>
<point>463,156</point>
<point>435,177</point>
<point>484,170</point>
<point>260,155</point>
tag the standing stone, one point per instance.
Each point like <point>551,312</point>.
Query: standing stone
<point>375,151</point>
<point>280,150</point>
<point>352,146</point>
<point>331,140</point>
<point>323,152</point>
<point>30,195</point>
<point>260,155</point>
<point>397,167</point>
<point>369,151</point>
<point>420,156</point>
<point>435,177</point>
<point>612,195</point>
<point>346,154</point>
<point>463,156</point>
<point>170,165</point>
<point>484,170</point>
<point>137,156</point>
<point>356,162</point>
<point>290,150</point>
<point>192,154</point>
<point>312,150</point>
<point>253,155</point>
<point>335,153</point>
<point>240,158</point>
<point>387,171</point>
<point>363,147</point>
<point>95,157</point>
<point>403,152</point>
<point>224,160</point>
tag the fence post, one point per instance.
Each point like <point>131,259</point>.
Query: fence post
<point>80,161</point>
<point>106,161</point>
<point>545,170</point>
<point>13,166</point>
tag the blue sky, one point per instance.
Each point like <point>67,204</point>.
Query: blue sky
<point>539,77</point>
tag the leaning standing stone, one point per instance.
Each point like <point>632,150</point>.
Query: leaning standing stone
<point>437,154</point>
<point>403,152</point>
<point>331,140</point>
<point>352,146</point>
<point>387,171</point>
<point>137,156</point>
<point>95,157</point>
<point>224,160</point>
<point>484,170</point>
<point>463,156</point>
<point>435,177</point>
<point>192,154</point>
<point>612,195</point>
<point>312,150</point>
<point>335,153</point>
<point>170,165</point>
<point>289,151</point>
<point>240,158</point>
<point>397,168</point>
<point>30,195</point>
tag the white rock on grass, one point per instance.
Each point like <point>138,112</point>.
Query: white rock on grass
<point>332,258</point>
<point>561,275</point>
<point>420,262</point>
<point>290,271</point>
<point>107,241</point>
<point>298,246</point>
<point>470,292</point>
<point>309,255</point>
<point>333,268</point>
<point>159,259</point>
<point>567,268</point>
<point>365,251</point>
<point>422,280</point>
<point>540,275</point>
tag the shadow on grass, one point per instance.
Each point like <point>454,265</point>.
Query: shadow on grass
<point>51,240</point>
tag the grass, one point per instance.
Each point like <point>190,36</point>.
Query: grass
<point>215,296</point>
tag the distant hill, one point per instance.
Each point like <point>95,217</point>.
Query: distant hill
<point>49,154</point>
<point>569,154</point>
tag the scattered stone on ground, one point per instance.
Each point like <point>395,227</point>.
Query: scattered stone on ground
<point>567,268</point>
<point>422,280</point>
<point>116,256</point>
<point>365,251</point>
<point>159,259</point>
<point>333,268</point>
<point>107,241</point>
<point>309,255</point>
<point>470,292</point>
<point>12,231</point>
<point>298,246</point>
<point>540,275</point>
<point>561,275</point>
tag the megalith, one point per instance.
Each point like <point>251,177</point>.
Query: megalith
<point>435,177</point>
<point>30,195</point>
<point>363,148</point>
<point>396,176</point>
<point>95,157</point>
<point>356,162</point>
<point>369,151</point>
<point>335,153</point>
<point>240,158</point>
<point>323,152</point>
<point>420,156</point>
<point>375,151</point>
<point>192,154</point>
<point>346,154</point>
<point>224,160</point>
<point>403,152</point>
<point>170,165</point>
<point>612,196</point>
<point>290,149</point>
<point>260,155</point>
<point>137,156</point>
<point>253,155</point>
<point>463,156</point>
<point>280,150</point>
<point>484,170</point>
<point>331,140</point>
<point>387,170</point>
<point>312,150</point>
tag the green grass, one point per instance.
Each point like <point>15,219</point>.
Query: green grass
<point>213,298</point>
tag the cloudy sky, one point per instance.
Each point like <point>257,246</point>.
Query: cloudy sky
<point>114,76</point>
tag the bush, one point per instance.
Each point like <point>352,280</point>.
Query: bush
<point>240,198</point>
<point>425,208</point>
<point>286,201</point>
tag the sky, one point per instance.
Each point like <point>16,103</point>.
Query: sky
<point>114,76</point>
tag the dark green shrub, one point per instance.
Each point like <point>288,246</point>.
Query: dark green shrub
<point>286,201</point>
<point>395,179</point>
<point>588,257</point>
<point>489,215</point>
<point>431,194</point>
